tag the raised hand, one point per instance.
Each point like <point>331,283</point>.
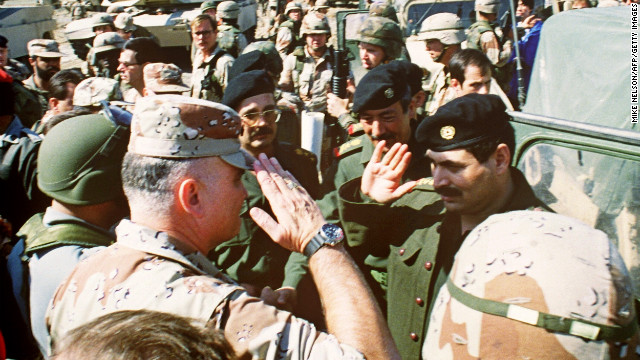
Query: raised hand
<point>382,179</point>
<point>299,218</point>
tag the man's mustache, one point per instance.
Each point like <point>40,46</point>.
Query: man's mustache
<point>385,136</point>
<point>261,131</point>
<point>448,191</point>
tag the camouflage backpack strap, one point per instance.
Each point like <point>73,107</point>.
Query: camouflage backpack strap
<point>210,80</point>
<point>475,31</point>
<point>577,327</point>
<point>38,236</point>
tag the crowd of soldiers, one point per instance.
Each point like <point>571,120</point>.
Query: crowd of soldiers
<point>143,216</point>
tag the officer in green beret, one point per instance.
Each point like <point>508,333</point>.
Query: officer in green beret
<point>385,107</point>
<point>79,168</point>
<point>469,143</point>
<point>251,257</point>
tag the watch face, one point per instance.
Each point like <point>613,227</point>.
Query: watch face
<point>332,232</point>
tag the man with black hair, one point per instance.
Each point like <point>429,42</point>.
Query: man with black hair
<point>44,58</point>
<point>469,143</point>
<point>135,54</point>
<point>470,72</point>
<point>62,86</point>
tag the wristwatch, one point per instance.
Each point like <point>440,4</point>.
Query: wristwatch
<point>328,235</point>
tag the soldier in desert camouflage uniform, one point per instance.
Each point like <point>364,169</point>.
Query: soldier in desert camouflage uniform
<point>534,285</point>
<point>91,91</point>
<point>230,38</point>
<point>182,177</point>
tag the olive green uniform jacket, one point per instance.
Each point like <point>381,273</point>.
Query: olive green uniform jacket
<point>418,267</point>
<point>367,233</point>
<point>252,257</point>
<point>42,95</point>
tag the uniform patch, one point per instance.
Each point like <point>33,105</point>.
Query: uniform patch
<point>348,146</point>
<point>425,181</point>
<point>388,93</point>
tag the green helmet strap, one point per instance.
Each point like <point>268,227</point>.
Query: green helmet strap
<point>576,327</point>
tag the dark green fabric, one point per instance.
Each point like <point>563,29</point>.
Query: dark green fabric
<point>27,105</point>
<point>38,236</point>
<point>435,240</point>
<point>252,257</point>
<point>547,321</point>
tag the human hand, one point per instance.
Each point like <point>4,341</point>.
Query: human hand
<point>299,217</point>
<point>336,106</point>
<point>530,21</point>
<point>284,298</point>
<point>382,179</point>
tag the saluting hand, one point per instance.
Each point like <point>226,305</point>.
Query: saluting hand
<point>382,179</point>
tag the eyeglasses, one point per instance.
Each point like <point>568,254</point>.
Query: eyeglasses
<point>203,33</point>
<point>270,116</point>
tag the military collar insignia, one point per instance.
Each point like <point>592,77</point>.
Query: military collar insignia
<point>388,93</point>
<point>447,132</point>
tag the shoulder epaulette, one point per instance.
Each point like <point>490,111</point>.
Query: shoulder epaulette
<point>425,181</point>
<point>349,147</point>
<point>355,130</point>
<point>306,153</point>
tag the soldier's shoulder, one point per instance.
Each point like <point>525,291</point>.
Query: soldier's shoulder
<point>351,147</point>
<point>296,152</point>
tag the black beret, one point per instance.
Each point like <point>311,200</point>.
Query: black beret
<point>381,87</point>
<point>465,121</point>
<point>3,41</point>
<point>414,74</point>
<point>255,60</point>
<point>246,85</point>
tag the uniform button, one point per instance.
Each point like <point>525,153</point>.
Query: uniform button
<point>428,265</point>
<point>438,228</point>
<point>413,336</point>
<point>401,252</point>
<point>419,301</point>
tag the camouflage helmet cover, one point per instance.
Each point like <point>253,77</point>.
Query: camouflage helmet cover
<point>228,10</point>
<point>209,4</point>
<point>382,32</point>
<point>446,27</point>
<point>321,4</point>
<point>487,6</point>
<point>101,19</point>
<point>532,284</point>
<point>124,22</point>
<point>91,91</point>
<point>80,158</point>
<point>312,24</point>
<point>107,41</point>
<point>292,6</point>
<point>384,9</point>
<point>174,126</point>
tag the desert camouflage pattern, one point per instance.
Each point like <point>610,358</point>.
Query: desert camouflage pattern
<point>101,19</point>
<point>44,48</point>
<point>124,22</point>
<point>534,262</point>
<point>174,126</point>
<point>144,270</point>
<point>384,9</point>
<point>312,82</point>
<point>203,68</point>
<point>487,6</point>
<point>446,27</point>
<point>311,24</point>
<point>164,78</point>
<point>91,91</point>
<point>382,32</point>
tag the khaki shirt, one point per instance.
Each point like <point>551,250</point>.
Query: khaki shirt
<point>312,82</point>
<point>144,270</point>
<point>201,66</point>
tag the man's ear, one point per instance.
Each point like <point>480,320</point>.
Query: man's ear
<point>53,103</point>
<point>189,197</point>
<point>32,61</point>
<point>419,98</point>
<point>503,158</point>
<point>456,84</point>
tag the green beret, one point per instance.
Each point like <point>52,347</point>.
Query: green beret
<point>413,72</point>
<point>465,121</point>
<point>255,60</point>
<point>246,85</point>
<point>381,87</point>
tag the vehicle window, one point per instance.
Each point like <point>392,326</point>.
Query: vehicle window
<point>418,12</point>
<point>601,190</point>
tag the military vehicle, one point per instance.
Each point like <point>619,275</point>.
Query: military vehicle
<point>21,23</point>
<point>577,139</point>
<point>167,20</point>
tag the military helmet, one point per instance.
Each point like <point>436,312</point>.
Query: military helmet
<point>487,6</point>
<point>446,27</point>
<point>209,4</point>
<point>321,4</point>
<point>124,22</point>
<point>292,6</point>
<point>382,32</point>
<point>384,9</point>
<point>80,158</point>
<point>534,285</point>
<point>312,24</point>
<point>228,10</point>
<point>101,19</point>
<point>114,9</point>
<point>91,91</point>
<point>107,41</point>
